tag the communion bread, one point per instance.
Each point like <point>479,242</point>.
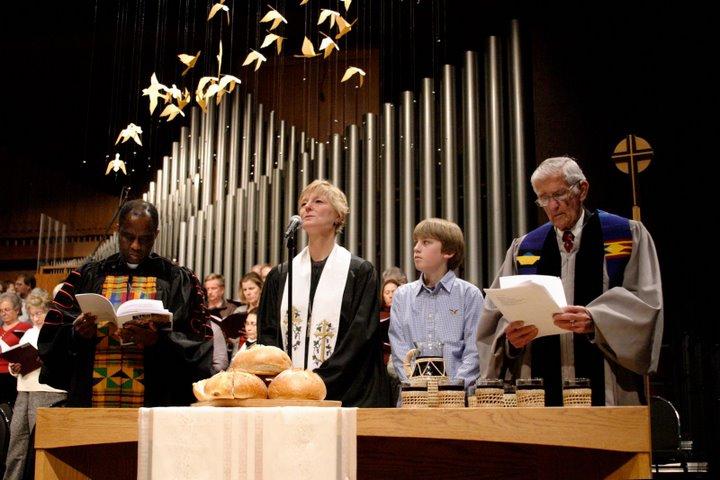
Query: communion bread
<point>246,385</point>
<point>219,385</point>
<point>296,383</point>
<point>261,360</point>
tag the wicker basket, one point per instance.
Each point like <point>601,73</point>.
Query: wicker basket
<point>414,396</point>
<point>510,400</point>
<point>451,396</point>
<point>531,397</point>
<point>577,397</point>
<point>489,397</point>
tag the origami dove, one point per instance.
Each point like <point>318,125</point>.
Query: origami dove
<point>270,38</point>
<point>352,71</point>
<point>188,60</point>
<point>131,131</point>
<point>171,111</point>
<point>216,8</point>
<point>184,100</point>
<point>347,4</point>
<point>254,56</point>
<point>303,2</point>
<point>115,165</point>
<point>308,51</point>
<point>325,14</point>
<point>343,27</point>
<point>327,46</point>
<point>154,91</point>
<point>273,16</point>
<point>226,85</point>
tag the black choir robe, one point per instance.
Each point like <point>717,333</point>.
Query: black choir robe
<point>354,373</point>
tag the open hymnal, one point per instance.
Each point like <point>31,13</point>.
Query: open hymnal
<point>26,355</point>
<point>530,298</point>
<point>141,310</point>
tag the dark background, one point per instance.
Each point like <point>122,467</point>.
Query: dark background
<point>596,71</point>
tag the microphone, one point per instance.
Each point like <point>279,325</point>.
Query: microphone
<point>295,223</point>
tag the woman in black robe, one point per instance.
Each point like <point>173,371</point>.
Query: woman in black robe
<point>335,326</point>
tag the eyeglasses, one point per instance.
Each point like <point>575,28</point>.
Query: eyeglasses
<point>37,314</point>
<point>559,196</point>
<point>6,310</point>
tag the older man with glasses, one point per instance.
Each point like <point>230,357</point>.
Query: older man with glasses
<point>611,277</point>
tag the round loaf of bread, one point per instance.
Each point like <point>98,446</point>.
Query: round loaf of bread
<point>261,360</point>
<point>246,385</point>
<point>296,383</point>
<point>219,385</point>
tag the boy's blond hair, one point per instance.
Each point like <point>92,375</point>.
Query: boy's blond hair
<point>448,234</point>
<point>334,196</point>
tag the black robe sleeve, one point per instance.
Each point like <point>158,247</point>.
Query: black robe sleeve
<point>354,373</point>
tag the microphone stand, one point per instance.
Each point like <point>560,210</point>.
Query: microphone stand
<point>292,247</point>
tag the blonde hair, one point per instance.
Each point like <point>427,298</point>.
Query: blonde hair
<point>335,196</point>
<point>215,276</point>
<point>449,235</point>
<point>38,299</point>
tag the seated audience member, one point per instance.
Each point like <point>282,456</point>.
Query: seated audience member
<point>140,364</point>
<point>611,277</point>
<point>251,285</point>
<point>335,326</point>
<point>31,393</point>
<point>217,304</point>
<point>12,330</point>
<point>438,306</point>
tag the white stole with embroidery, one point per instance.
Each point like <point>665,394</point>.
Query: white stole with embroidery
<point>325,317</point>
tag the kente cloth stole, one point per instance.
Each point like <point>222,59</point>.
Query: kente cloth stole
<point>118,371</point>
<point>311,348</point>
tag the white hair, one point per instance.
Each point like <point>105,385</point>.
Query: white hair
<point>551,167</point>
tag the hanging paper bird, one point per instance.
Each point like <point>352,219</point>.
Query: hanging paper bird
<point>352,71</point>
<point>270,38</point>
<point>273,16</point>
<point>303,2</point>
<point>327,45</point>
<point>325,14</point>
<point>188,60</point>
<point>154,91</point>
<point>308,50</point>
<point>116,165</point>
<point>254,56</point>
<point>171,111</point>
<point>343,27</point>
<point>216,8</point>
<point>347,4</point>
<point>131,131</point>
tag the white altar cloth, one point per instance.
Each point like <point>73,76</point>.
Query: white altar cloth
<point>270,443</point>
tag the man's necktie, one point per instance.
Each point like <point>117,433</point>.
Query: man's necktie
<point>567,239</point>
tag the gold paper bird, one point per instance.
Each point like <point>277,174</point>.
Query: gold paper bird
<point>327,46</point>
<point>171,111</point>
<point>216,8</point>
<point>303,2</point>
<point>131,131</point>
<point>347,4</point>
<point>254,56</point>
<point>352,71</point>
<point>173,92</point>
<point>115,165</point>
<point>325,14</point>
<point>343,27</point>
<point>273,16</point>
<point>226,85</point>
<point>154,91</point>
<point>308,50</point>
<point>270,38</point>
<point>188,60</point>
<point>185,99</point>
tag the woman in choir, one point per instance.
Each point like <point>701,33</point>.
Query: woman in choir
<point>10,333</point>
<point>31,393</point>
<point>251,285</point>
<point>335,326</point>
